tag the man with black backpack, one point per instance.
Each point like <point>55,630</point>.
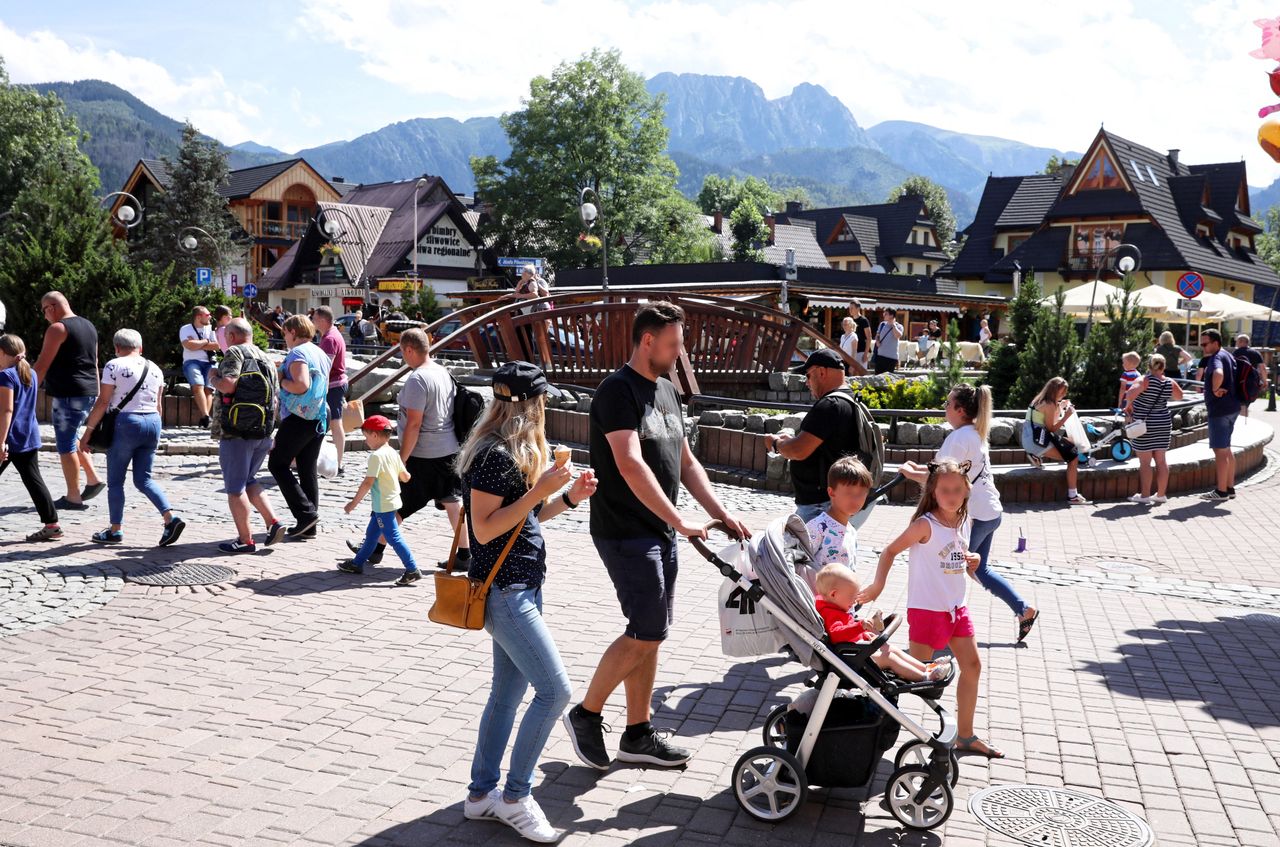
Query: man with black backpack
<point>1251,373</point>
<point>242,422</point>
<point>429,438</point>
<point>837,425</point>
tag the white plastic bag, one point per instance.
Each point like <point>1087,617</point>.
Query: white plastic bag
<point>327,461</point>
<point>1073,429</point>
<point>745,628</point>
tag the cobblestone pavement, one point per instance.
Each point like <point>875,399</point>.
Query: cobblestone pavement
<point>297,705</point>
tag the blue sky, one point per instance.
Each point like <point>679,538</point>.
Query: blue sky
<point>298,73</point>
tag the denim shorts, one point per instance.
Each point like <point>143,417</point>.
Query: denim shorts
<point>643,571</point>
<point>69,414</point>
<point>336,398</point>
<point>241,459</point>
<point>196,372</point>
<point>1220,430</point>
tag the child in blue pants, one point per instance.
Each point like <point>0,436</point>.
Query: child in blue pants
<point>383,478</point>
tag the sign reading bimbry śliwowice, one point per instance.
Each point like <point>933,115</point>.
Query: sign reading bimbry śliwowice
<point>444,245</point>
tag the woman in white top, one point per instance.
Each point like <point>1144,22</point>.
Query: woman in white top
<point>984,334</point>
<point>133,386</point>
<point>849,338</point>
<point>968,411</point>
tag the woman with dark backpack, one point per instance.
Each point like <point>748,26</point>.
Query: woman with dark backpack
<point>509,486</point>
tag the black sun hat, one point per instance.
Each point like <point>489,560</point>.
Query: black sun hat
<point>517,381</point>
<point>823,358</point>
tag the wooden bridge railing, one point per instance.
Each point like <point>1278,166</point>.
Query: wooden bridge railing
<point>584,336</point>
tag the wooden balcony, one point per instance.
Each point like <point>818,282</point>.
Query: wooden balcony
<point>288,230</point>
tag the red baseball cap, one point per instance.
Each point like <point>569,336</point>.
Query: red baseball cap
<point>378,423</point>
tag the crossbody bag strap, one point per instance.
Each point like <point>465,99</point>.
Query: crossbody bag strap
<point>502,557</point>
<point>146,372</point>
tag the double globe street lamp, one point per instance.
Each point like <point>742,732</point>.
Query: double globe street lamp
<point>589,212</point>
<point>333,224</point>
<point>129,214</point>
<point>1127,258</point>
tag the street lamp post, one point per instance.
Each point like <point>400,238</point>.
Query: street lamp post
<point>417,186</point>
<point>189,243</point>
<point>1128,259</point>
<point>333,224</point>
<point>589,212</point>
<point>126,216</point>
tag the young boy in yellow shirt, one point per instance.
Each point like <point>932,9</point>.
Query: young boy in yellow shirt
<point>383,477</point>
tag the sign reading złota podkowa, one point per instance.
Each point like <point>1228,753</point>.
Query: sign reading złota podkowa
<point>444,245</point>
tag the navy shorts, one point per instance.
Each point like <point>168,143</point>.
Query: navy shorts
<point>643,571</point>
<point>1220,431</point>
<point>336,399</point>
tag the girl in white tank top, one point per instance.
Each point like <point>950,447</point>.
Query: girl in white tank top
<point>937,544</point>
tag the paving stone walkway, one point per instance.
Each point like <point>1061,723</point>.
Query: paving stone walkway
<point>297,705</point>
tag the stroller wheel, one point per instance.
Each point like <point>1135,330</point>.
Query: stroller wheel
<point>1122,450</point>
<point>912,812</point>
<point>769,784</point>
<point>921,754</point>
<point>774,729</point>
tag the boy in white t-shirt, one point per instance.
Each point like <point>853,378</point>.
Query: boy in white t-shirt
<point>386,472</point>
<point>833,540</point>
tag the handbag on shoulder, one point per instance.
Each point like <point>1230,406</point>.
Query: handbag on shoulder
<point>104,433</point>
<point>459,598</point>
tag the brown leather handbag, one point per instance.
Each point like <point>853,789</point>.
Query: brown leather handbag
<point>459,598</point>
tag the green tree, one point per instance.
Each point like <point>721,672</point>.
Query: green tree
<point>935,201</point>
<point>718,194</point>
<point>1121,327</point>
<point>674,231</point>
<point>191,200</point>
<point>425,301</point>
<point>953,373</point>
<point>1002,367</point>
<point>35,129</point>
<point>1056,164</point>
<point>590,124</point>
<point>1268,241</point>
<point>1052,350</point>
<point>749,233</point>
<point>725,195</point>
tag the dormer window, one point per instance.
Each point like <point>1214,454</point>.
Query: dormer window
<point>1102,173</point>
<point>1203,231</point>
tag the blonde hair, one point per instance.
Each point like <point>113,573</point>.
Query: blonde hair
<point>833,575</point>
<point>301,327</point>
<point>976,403</point>
<point>1166,337</point>
<point>1156,363</point>
<point>12,345</point>
<point>1049,393</point>
<point>937,470</point>
<point>1131,356</point>
<point>519,427</point>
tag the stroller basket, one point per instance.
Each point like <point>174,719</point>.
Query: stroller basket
<point>854,735</point>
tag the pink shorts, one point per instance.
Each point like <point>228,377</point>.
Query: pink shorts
<point>936,629</point>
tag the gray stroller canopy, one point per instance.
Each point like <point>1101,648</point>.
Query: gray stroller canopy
<point>783,562</point>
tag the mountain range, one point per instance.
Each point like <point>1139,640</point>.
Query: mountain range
<point>724,125</point>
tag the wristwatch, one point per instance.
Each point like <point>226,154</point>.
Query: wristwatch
<point>564,495</point>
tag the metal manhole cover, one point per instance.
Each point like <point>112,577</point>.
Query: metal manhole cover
<point>1114,564</point>
<point>182,574</point>
<point>1057,817</point>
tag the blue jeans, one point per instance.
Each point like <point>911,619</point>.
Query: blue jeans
<point>980,538</point>
<point>197,372</point>
<point>69,414</point>
<point>136,439</point>
<point>386,525</point>
<point>523,653</point>
<point>808,513</point>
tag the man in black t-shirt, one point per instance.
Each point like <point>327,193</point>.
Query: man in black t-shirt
<point>1246,354</point>
<point>862,331</point>
<point>640,456</point>
<point>829,431</point>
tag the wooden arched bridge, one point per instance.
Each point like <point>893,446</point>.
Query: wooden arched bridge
<point>730,345</point>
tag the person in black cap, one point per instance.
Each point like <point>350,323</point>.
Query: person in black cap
<point>830,430</point>
<point>641,455</point>
<point>510,486</point>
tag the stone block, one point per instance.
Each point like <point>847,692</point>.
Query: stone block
<point>181,389</point>
<point>755,423</point>
<point>1002,430</point>
<point>932,435</point>
<point>795,382</point>
<point>778,381</point>
<point>735,420</point>
<point>776,469</point>
<point>711,417</point>
<point>908,433</point>
<point>772,424</point>
<point>583,404</point>
<point>792,422</point>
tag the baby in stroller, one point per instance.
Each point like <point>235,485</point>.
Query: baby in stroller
<point>837,589</point>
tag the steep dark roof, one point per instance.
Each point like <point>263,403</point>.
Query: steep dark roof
<point>879,231</point>
<point>243,182</point>
<point>1045,250</point>
<point>1031,199</point>
<point>159,172</point>
<point>1224,192</point>
<point>979,252</point>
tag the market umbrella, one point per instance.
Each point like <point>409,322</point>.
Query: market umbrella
<point>1077,299</point>
<point>1233,308</point>
<point>1162,303</point>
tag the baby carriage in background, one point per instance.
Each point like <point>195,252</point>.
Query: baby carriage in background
<point>854,716</point>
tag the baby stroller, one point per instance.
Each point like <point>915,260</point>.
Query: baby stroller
<point>1117,439</point>
<point>854,718</point>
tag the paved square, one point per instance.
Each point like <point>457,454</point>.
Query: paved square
<point>299,705</point>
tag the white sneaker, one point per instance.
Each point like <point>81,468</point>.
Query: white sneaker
<point>1078,500</point>
<point>1156,499</point>
<point>482,809</point>
<point>525,817</point>
<point>1139,499</point>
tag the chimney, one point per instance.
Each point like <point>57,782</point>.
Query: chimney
<point>794,207</point>
<point>1067,171</point>
<point>717,222</point>
<point>770,222</point>
<point>1173,160</point>
<point>337,179</point>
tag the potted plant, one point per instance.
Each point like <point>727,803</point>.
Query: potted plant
<point>329,250</point>
<point>589,243</point>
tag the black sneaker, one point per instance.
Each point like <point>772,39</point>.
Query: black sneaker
<point>1231,492</point>
<point>587,734</point>
<point>237,547</point>
<point>652,749</point>
<point>63,504</point>
<point>274,534</point>
<point>304,529</point>
<point>172,531</point>
<point>350,566</point>
<point>408,578</point>
<point>204,422</point>
<point>374,558</point>
<point>1216,496</point>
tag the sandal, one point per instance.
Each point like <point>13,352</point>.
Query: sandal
<point>1024,626</point>
<point>968,745</point>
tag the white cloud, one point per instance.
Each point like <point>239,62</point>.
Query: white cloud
<point>206,100</point>
<point>1043,74</point>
